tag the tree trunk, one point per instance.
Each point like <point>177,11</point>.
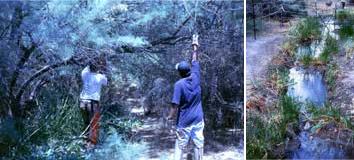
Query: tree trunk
<point>254,20</point>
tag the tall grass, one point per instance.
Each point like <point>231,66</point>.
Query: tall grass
<point>330,112</point>
<point>46,130</point>
<point>330,47</point>
<point>307,30</point>
<point>266,132</point>
<point>280,79</point>
<point>256,142</point>
<point>289,48</point>
<point>306,59</point>
<point>331,76</point>
<point>290,109</point>
<point>346,20</point>
<point>52,132</point>
<point>343,15</point>
<point>302,34</point>
<point>346,31</point>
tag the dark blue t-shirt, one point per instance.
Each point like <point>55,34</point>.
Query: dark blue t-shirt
<point>187,95</point>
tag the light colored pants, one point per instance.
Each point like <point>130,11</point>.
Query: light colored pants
<point>193,132</point>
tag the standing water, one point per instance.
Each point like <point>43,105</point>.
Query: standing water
<point>308,86</point>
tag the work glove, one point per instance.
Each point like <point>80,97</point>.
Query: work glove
<point>195,40</point>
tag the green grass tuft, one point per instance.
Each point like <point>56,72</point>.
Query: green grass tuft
<point>331,75</point>
<point>346,31</point>
<point>346,21</point>
<point>344,16</point>
<point>306,30</point>
<point>306,59</point>
<point>290,110</point>
<point>263,134</point>
<point>329,111</point>
<point>331,47</point>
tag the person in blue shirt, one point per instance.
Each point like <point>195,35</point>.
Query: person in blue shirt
<point>187,103</point>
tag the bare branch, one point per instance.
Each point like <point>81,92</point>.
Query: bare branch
<point>41,72</point>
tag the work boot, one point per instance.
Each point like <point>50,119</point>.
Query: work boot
<point>198,153</point>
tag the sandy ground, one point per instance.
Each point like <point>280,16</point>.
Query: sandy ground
<point>344,90</point>
<point>160,139</point>
<point>260,52</point>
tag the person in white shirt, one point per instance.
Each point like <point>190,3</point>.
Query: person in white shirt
<point>90,95</point>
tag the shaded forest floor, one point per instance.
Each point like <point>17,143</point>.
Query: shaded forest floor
<point>160,139</point>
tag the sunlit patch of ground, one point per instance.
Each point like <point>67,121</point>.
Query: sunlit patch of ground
<point>259,56</point>
<point>261,51</point>
<point>229,154</point>
<point>160,138</point>
<point>344,86</point>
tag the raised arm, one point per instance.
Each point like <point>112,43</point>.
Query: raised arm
<point>195,45</point>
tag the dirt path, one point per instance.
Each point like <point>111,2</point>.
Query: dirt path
<point>260,52</point>
<point>161,140</point>
<point>344,90</point>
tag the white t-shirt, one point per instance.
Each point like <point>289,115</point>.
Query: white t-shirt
<point>92,84</point>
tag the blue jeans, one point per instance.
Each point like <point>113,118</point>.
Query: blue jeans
<point>193,132</point>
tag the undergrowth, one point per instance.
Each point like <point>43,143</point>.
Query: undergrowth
<point>330,47</point>
<point>331,76</point>
<point>267,131</point>
<point>115,147</point>
<point>330,113</point>
<point>53,132</point>
<point>280,79</point>
<point>346,21</point>
<point>306,59</point>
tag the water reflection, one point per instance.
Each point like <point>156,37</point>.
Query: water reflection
<point>316,47</point>
<point>307,86</point>
<point>317,148</point>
